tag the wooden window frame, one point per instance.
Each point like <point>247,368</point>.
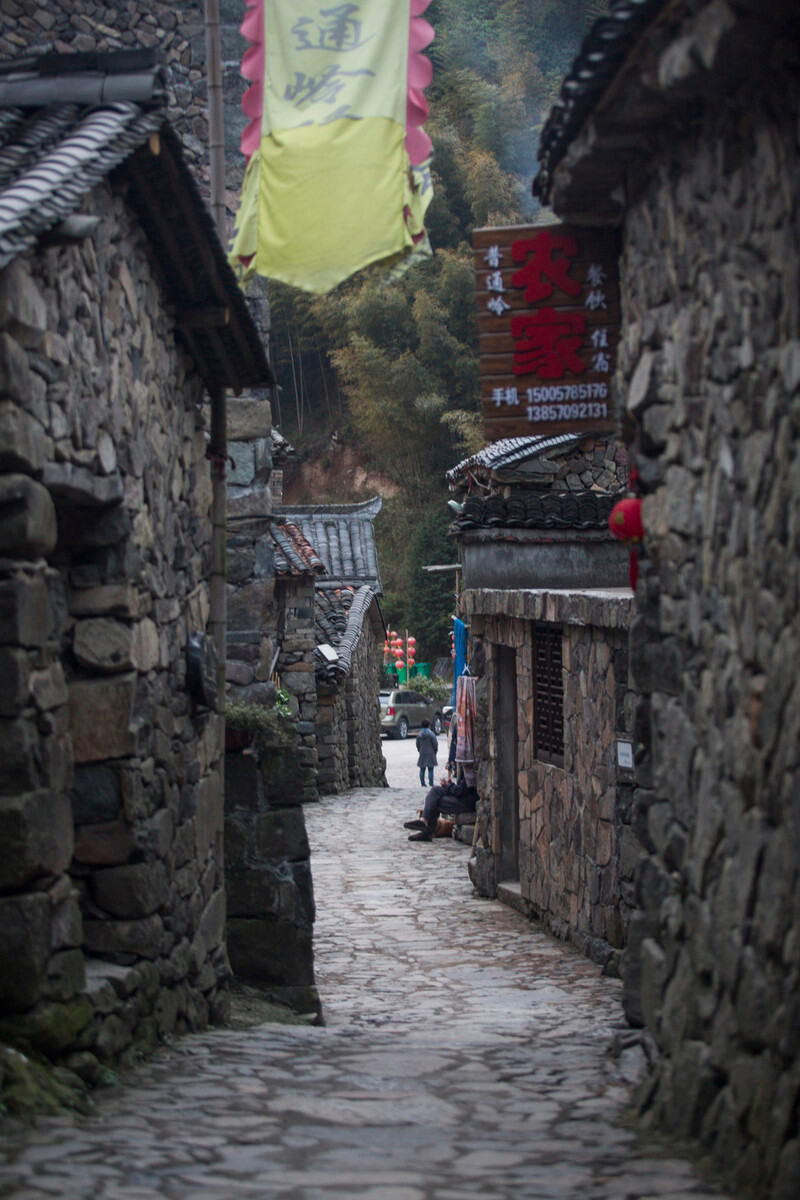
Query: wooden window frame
<point>548,694</point>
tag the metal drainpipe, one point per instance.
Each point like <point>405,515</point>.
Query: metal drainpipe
<point>218,447</point>
<point>218,599</point>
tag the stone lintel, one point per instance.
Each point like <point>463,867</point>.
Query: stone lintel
<point>610,608</point>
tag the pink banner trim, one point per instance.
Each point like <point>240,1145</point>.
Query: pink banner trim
<point>253,69</point>
<point>420,73</point>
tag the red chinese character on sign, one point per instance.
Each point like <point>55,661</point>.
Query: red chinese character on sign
<point>547,343</point>
<point>543,271</point>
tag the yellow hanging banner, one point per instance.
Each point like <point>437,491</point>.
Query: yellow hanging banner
<point>330,187</point>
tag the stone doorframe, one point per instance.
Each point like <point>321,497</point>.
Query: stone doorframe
<point>506,793</point>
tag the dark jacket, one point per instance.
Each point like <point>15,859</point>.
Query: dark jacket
<point>428,746</point>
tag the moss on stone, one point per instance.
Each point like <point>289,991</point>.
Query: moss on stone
<point>51,1028</point>
<point>28,1087</point>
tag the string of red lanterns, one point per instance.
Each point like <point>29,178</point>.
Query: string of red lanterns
<point>402,649</point>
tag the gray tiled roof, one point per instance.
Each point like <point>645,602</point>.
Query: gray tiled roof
<point>344,538</point>
<point>293,554</point>
<point>604,51</point>
<point>538,510</point>
<point>509,451</point>
<point>339,616</point>
<point>69,120</point>
<point>50,161</point>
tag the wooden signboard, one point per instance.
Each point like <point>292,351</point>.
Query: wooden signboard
<point>548,328</point>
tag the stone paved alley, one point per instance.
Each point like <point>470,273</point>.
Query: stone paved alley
<point>464,1056</point>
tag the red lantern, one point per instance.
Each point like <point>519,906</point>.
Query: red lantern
<point>625,520</point>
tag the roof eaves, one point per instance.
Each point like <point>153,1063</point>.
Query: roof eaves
<point>348,640</point>
<point>46,192</point>
<point>511,450</point>
<point>603,52</point>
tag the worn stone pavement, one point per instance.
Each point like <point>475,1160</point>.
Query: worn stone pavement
<point>465,1055</point>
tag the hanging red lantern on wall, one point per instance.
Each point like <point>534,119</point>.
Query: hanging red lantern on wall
<point>625,522</point>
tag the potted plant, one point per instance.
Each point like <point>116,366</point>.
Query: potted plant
<point>243,721</point>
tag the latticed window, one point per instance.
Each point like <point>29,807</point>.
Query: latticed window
<point>548,694</point>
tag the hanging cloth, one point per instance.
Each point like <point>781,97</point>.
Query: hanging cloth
<point>465,707</point>
<point>460,644</point>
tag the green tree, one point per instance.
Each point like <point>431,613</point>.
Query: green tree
<point>394,369</point>
<point>431,596</point>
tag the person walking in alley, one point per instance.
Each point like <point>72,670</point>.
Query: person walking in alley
<point>428,747</point>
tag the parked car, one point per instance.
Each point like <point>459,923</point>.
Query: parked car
<point>402,710</point>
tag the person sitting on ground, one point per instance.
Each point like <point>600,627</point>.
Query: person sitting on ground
<point>428,746</point>
<point>449,798</point>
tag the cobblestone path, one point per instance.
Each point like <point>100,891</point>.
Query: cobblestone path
<point>464,1056</point>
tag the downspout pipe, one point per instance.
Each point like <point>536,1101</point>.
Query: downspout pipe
<point>218,447</point>
<point>218,598</point>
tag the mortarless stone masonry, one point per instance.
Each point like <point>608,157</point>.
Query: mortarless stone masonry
<point>576,847</point>
<point>111,804</point>
<point>710,375</point>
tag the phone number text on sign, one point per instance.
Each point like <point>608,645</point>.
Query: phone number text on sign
<point>566,412</point>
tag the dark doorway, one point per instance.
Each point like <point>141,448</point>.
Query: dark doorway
<point>506,725</point>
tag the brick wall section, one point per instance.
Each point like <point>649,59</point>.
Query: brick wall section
<point>711,365</point>
<point>111,806</point>
<point>577,847</point>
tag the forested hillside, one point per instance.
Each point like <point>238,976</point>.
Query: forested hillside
<point>393,369</point>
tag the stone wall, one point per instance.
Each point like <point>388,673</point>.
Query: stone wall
<point>599,463</point>
<point>576,845</point>
<point>252,605</point>
<point>710,364</point>
<point>348,721</point>
<point>111,796</point>
<point>268,873</point>
<point>366,764</point>
<point>296,671</point>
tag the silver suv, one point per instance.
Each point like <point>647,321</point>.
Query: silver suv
<point>402,709</point>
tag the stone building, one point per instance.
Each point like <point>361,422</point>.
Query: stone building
<point>297,569</point>
<point>348,633</point>
<point>679,124</point>
<point>111,895</point>
<point>545,596</point>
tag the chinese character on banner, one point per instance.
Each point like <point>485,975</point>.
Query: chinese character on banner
<point>492,256</point>
<point>547,267</point>
<point>338,165</point>
<point>337,29</point>
<point>548,343</point>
